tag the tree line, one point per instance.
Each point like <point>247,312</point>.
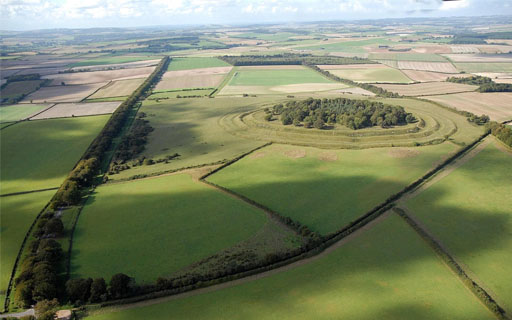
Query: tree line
<point>486,84</point>
<point>290,59</point>
<point>501,131</point>
<point>354,114</point>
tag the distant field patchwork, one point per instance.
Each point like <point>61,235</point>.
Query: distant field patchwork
<point>367,73</point>
<point>74,78</point>
<point>66,93</point>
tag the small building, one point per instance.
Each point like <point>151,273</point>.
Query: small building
<point>63,315</point>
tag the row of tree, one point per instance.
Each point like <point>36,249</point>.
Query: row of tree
<point>354,114</point>
<point>290,59</point>
<point>134,142</point>
<point>80,290</point>
<point>501,131</point>
<point>38,274</point>
<point>486,84</point>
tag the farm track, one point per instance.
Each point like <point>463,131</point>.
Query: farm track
<point>359,227</point>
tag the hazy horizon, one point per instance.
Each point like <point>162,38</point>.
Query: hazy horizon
<point>24,15</point>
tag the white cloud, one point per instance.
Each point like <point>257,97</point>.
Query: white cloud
<point>451,5</point>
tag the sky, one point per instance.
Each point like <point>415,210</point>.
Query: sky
<point>43,14</point>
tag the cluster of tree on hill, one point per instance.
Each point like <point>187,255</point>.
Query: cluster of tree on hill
<point>80,290</point>
<point>370,87</point>
<point>38,278</point>
<point>82,175</point>
<point>290,59</point>
<point>486,84</point>
<point>501,131</point>
<point>354,114</point>
<point>24,77</point>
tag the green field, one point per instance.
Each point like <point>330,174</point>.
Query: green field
<point>327,189</point>
<point>16,215</point>
<point>276,77</point>
<point>39,154</point>
<point>154,227</point>
<point>472,67</point>
<point>352,46</point>
<point>401,56</point>
<point>111,59</point>
<point>369,75</point>
<point>387,272</point>
<point>190,128</point>
<point>19,111</point>
<point>470,212</point>
<point>195,63</point>
<point>17,88</point>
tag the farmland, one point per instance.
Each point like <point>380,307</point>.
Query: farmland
<point>425,89</point>
<point>450,215</point>
<point>19,88</point>
<point>429,76</point>
<point>383,266</point>
<point>444,67</point>
<point>484,67</point>
<point>66,110</point>
<point>496,105</point>
<point>186,217</point>
<point>16,213</point>
<point>71,93</point>
<point>368,73</point>
<point>113,59</point>
<point>50,149</point>
<point>118,88</point>
<point>348,183</point>
<point>74,78</point>
<point>195,63</point>
<point>195,78</point>
<point>14,113</point>
<point>427,57</point>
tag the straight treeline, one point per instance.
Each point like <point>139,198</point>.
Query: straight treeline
<point>291,59</point>
<point>479,38</point>
<point>501,131</point>
<point>82,175</point>
<point>477,290</point>
<point>370,87</point>
<point>486,84</point>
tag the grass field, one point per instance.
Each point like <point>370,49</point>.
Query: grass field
<point>477,229</point>
<point>497,105</point>
<point>195,63</point>
<point>327,189</point>
<point>369,73</point>
<point>110,59</point>
<point>20,111</point>
<point>16,215</point>
<point>276,77</point>
<point>473,67</point>
<point>387,271</point>
<point>190,128</point>
<point>39,154</point>
<point>188,220</point>
<point>430,88</point>
<point>17,88</point>
<point>118,88</point>
<point>400,56</point>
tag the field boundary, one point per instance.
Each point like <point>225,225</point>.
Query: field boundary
<point>25,192</point>
<point>483,296</point>
<point>224,82</point>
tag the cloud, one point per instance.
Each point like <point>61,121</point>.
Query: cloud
<point>451,5</point>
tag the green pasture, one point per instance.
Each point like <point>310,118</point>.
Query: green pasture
<point>154,227</point>
<point>352,46</point>
<point>472,67</point>
<point>326,190</point>
<point>190,128</point>
<point>403,56</point>
<point>16,215</point>
<point>369,75</point>
<point>19,111</point>
<point>39,154</point>
<point>386,272</point>
<point>195,63</point>
<point>469,211</point>
<point>111,59</point>
<point>17,88</point>
<point>262,77</point>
